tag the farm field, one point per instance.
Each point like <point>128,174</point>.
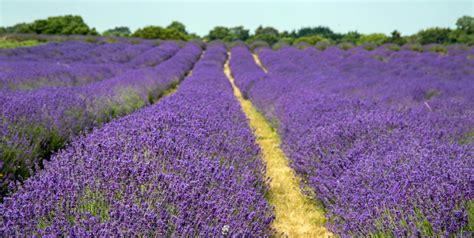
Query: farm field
<point>182,139</point>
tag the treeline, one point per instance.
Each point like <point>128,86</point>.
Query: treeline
<point>75,25</point>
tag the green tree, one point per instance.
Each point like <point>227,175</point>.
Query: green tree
<point>269,39</point>
<point>219,33</point>
<point>120,31</point>
<point>240,33</point>
<point>466,24</point>
<point>157,32</point>
<point>351,36</point>
<point>396,38</point>
<point>64,25</point>
<point>266,31</point>
<point>434,35</point>
<point>323,31</point>
<point>178,26</point>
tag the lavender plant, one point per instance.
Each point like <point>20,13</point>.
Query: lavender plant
<point>186,166</point>
<point>37,123</point>
<point>383,138</point>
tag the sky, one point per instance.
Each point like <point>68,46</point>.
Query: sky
<point>200,16</point>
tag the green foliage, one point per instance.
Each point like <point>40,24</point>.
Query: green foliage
<point>416,47</point>
<point>346,45</point>
<point>375,38</point>
<point>178,26</point>
<point>322,31</point>
<point>312,40</point>
<point>229,34</point>
<point>219,33</point>
<point>322,45</point>
<point>460,36</point>
<point>286,41</point>
<point>352,36</point>
<point>396,38</point>
<point>393,47</point>
<point>466,24</point>
<point>120,31</point>
<point>438,49</point>
<point>434,35</point>
<point>240,33</point>
<point>59,25</point>
<point>269,39</point>
<point>14,44</point>
<point>266,31</point>
<point>157,32</point>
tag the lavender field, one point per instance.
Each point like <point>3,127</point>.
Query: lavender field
<point>180,139</point>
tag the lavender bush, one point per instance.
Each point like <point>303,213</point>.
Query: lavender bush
<point>383,138</point>
<point>186,166</point>
<point>36,123</point>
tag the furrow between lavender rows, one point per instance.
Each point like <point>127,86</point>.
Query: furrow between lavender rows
<point>295,214</point>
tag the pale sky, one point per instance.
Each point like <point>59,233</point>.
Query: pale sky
<point>200,16</point>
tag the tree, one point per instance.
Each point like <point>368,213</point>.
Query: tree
<point>219,33</point>
<point>375,38</point>
<point>323,31</point>
<point>60,25</point>
<point>157,32</point>
<point>178,26</point>
<point>120,31</point>
<point>270,39</point>
<point>351,36</point>
<point>396,38</point>
<point>266,31</point>
<point>466,24</point>
<point>434,35</point>
<point>240,33</point>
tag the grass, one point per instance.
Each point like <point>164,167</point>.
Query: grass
<point>296,215</point>
<point>7,44</point>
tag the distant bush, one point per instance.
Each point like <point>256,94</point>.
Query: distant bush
<point>157,32</point>
<point>322,45</point>
<point>4,44</point>
<point>269,39</point>
<point>121,31</point>
<point>375,38</point>
<point>369,46</point>
<point>437,48</point>
<point>301,45</point>
<point>258,44</point>
<point>311,40</point>
<point>413,47</point>
<point>392,47</point>
<point>435,35</point>
<point>346,45</point>
<point>280,44</point>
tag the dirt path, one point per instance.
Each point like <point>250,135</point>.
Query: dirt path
<point>295,214</point>
<point>257,61</point>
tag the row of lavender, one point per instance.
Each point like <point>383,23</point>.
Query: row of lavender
<point>75,63</point>
<point>33,124</point>
<point>186,166</point>
<point>383,138</point>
